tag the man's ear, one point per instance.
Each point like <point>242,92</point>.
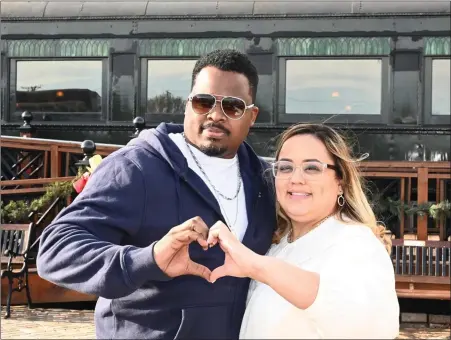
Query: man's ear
<point>254,115</point>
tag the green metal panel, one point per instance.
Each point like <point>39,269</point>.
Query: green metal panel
<point>350,46</point>
<point>186,47</point>
<point>437,46</point>
<point>59,48</point>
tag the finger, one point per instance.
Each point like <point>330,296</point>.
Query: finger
<point>215,233</point>
<point>195,224</point>
<point>188,236</point>
<point>219,225</point>
<point>213,237</point>
<point>201,228</point>
<point>197,269</point>
<point>218,273</point>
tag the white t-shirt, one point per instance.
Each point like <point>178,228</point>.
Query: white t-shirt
<point>223,173</point>
<point>356,297</point>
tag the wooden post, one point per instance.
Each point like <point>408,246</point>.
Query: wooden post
<point>422,197</point>
<point>402,199</point>
<point>55,168</point>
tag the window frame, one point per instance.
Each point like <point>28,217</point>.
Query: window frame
<point>429,118</point>
<point>290,118</point>
<point>58,117</point>
<point>4,106</point>
<point>144,72</point>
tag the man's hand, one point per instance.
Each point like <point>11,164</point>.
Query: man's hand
<point>171,252</point>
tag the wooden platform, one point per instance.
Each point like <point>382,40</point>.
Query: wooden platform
<point>43,291</point>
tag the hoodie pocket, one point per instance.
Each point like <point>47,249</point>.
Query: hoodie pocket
<point>211,322</point>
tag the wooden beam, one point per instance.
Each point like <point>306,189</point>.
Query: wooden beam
<point>54,161</point>
<point>422,193</point>
<point>388,174</point>
<point>35,181</point>
<point>423,294</point>
<point>22,191</point>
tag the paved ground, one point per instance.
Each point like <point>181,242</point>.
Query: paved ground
<point>40,323</point>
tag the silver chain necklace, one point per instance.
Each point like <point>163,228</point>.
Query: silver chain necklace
<point>216,190</point>
<point>202,170</point>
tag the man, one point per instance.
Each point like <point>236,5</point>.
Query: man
<point>136,235</point>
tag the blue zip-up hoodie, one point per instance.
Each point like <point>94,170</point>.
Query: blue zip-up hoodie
<point>102,243</point>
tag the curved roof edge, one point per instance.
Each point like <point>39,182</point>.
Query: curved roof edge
<point>15,9</point>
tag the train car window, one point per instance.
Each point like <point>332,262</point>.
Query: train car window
<point>441,87</point>
<point>168,85</point>
<point>331,87</point>
<point>59,86</point>
<point>3,75</point>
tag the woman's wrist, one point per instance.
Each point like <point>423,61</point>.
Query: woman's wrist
<point>258,268</point>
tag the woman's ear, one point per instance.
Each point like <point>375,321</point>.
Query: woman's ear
<point>340,189</point>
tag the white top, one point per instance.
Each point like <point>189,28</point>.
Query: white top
<point>222,172</point>
<point>356,297</point>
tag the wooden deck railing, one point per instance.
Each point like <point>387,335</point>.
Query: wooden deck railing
<point>29,164</point>
<point>422,269</point>
<point>53,158</point>
<point>415,180</point>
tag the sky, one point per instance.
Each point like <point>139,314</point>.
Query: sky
<point>50,75</point>
<point>333,86</point>
<point>172,75</point>
<point>441,87</point>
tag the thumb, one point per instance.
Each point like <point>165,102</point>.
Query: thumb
<point>197,269</point>
<point>218,273</point>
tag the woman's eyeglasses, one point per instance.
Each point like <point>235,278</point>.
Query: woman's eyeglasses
<point>311,170</point>
<point>233,107</point>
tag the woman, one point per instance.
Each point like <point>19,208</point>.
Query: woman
<point>328,273</point>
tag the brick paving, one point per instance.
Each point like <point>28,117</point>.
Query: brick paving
<point>46,323</point>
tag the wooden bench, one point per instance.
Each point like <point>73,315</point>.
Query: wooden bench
<point>422,268</point>
<point>15,242</point>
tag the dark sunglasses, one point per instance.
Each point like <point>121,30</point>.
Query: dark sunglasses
<point>233,107</point>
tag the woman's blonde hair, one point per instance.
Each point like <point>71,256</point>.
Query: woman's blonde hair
<point>356,207</point>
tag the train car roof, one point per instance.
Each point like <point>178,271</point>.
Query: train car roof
<point>93,9</point>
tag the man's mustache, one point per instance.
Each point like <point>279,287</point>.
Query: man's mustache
<point>216,126</point>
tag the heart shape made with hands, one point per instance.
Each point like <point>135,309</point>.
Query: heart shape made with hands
<point>234,263</point>
<point>171,253</point>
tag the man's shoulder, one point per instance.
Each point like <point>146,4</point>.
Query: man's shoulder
<point>265,162</point>
<point>140,157</point>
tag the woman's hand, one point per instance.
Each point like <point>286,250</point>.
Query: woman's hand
<point>239,260</point>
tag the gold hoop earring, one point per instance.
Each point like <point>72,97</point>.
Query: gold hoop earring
<point>341,200</point>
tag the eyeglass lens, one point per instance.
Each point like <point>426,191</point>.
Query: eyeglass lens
<point>285,169</point>
<point>232,107</point>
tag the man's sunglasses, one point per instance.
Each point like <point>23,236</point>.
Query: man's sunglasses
<point>232,107</point>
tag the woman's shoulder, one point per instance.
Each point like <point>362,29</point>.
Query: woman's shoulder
<point>357,235</point>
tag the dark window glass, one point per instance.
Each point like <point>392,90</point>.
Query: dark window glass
<point>333,87</point>
<point>168,85</point>
<point>59,86</point>
<point>441,86</point>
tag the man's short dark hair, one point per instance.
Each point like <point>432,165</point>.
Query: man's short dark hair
<point>231,61</point>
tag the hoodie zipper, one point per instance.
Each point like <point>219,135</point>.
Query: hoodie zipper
<point>203,197</point>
